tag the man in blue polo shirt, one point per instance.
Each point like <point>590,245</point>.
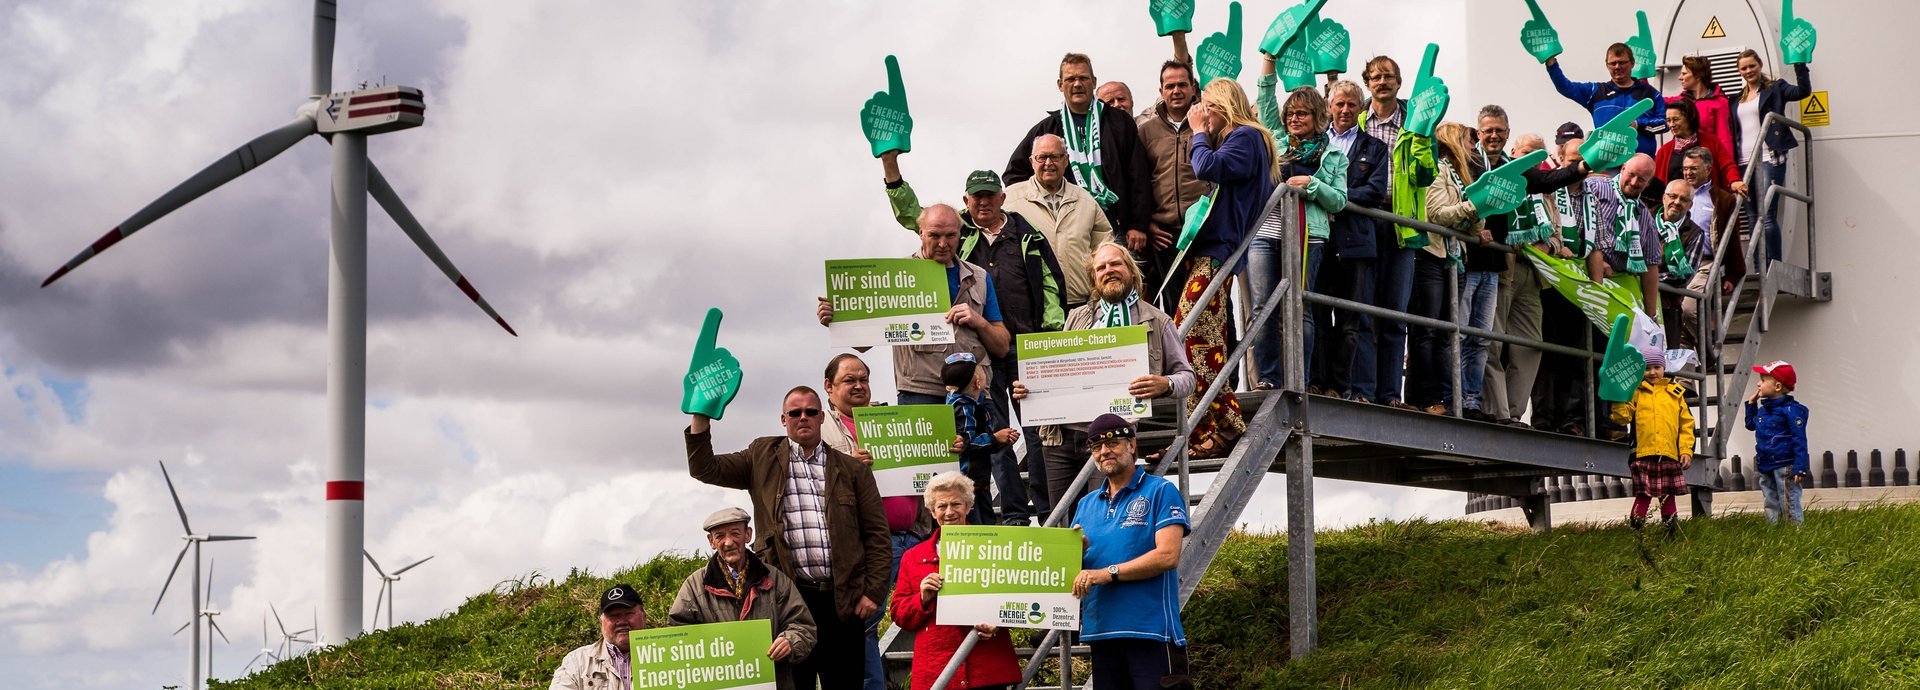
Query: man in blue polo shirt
<point>1130,590</point>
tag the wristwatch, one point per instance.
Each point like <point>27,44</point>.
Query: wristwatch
<point>1113,571</point>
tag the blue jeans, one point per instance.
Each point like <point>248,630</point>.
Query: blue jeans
<point>1263,273</point>
<point>1770,174</point>
<point>910,398</point>
<point>1479,292</point>
<point>1380,354</point>
<point>876,675</point>
<point>1772,487</point>
<point>1429,377</point>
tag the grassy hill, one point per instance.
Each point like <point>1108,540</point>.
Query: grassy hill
<point>1730,603</point>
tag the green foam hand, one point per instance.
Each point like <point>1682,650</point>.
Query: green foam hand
<point>1196,217</point>
<point>1796,37</point>
<point>1287,25</point>
<point>1430,97</point>
<point>1329,44</point>
<point>1621,367</point>
<point>1171,16</point>
<point>1219,54</point>
<point>713,377</point>
<point>1645,62</point>
<point>1295,64</point>
<point>1538,35</point>
<point>1610,145</point>
<point>885,119</point>
<point>1502,189</point>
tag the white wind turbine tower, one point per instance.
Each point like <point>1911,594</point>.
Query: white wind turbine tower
<point>345,120</point>
<point>266,652</point>
<point>213,626</point>
<point>386,586</point>
<point>193,543</point>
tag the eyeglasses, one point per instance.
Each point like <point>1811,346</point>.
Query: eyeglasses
<point>1050,157</point>
<point>799,412</point>
<point>1303,114</point>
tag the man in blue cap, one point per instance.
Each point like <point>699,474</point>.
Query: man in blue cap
<point>1130,588</point>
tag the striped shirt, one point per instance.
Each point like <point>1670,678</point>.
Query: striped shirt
<point>805,508</point>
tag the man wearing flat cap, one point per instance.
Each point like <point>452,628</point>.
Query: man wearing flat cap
<point>1129,588</point>
<point>736,586</point>
<point>603,664</point>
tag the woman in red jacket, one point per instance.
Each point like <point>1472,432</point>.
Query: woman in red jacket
<point>991,665</point>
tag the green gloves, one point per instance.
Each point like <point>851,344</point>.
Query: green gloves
<point>1538,36</point>
<point>1171,16</point>
<point>885,120</point>
<point>713,377</point>
<point>1502,189</point>
<point>1610,145</point>
<point>1329,44</point>
<point>1621,367</point>
<point>1645,63</point>
<point>1430,97</point>
<point>1796,37</point>
<point>1219,55</point>
<point>1287,25</point>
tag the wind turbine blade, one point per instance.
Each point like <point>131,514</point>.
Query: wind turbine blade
<point>379,598</point>
<point>396,573</point>
<point>249,156</point>
<point>170,574</point>
<point>376,564</point>
<point>255,660</point>
<point>216,628</point>
<point>183,626</point>
<point>389,200</point>
<point>276,618</point>
<point>323,19</point>
<point>209,598</point>
<point>176,495</point>
<point>228,538</point>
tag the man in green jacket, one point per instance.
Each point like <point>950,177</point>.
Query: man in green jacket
<point>1028,281</point>
<point>736,586</point>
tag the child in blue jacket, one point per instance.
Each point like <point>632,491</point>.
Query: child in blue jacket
<point>1779,425</point>
<point>978,420</point>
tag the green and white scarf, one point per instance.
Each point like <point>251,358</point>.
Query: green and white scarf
<point>1573,233</point>
<point>1112,315</point>
<point>1083,153</point>
<point>1673,249</point>
<point>1529,223</point>
<point>1626,229</point>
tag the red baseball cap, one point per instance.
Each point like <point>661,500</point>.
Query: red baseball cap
<point>1779,370</point>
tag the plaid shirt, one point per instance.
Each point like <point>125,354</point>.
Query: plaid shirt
<point>1387,130</point>
<point>1606,207</point>
<point>805,508</point>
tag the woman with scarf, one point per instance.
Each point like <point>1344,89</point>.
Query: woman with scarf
<point>1697,86</point>
<point>1231,150</point>
<point>1430,378</point>
<point>1683,122</point>
<point>1306,163</point>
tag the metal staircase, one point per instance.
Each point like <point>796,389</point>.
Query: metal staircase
<point>1306,436</point>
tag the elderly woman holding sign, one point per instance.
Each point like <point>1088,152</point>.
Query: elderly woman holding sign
<point>991,664</point>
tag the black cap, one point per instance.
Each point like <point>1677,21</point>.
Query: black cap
<point>1569,130</point>
<point>619,595</point>
<point>1107,427</point>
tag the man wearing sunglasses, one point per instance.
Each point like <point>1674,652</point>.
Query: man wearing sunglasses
<point>821,524</point>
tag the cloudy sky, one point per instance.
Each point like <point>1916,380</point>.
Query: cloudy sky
<point>602,171</point>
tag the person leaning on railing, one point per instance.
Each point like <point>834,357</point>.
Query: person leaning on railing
<point>1763,95</point>
<point>1429,376</point>
<point>1353,254</point>
<point>1410,169</point>
<point>1319,171</point>
<point>991,663</point>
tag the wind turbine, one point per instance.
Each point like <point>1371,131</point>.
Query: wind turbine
<point>193,542</point>
<point>208,613</point>
<point>266,652</point>
<point>345,120</point>
<point>288,638</point>
<point>386,586</point>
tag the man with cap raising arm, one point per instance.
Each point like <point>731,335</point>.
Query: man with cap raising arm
<point>1130,588</point>
<point>821,524</point>
<point>736,586</point>
<point>603,663</point>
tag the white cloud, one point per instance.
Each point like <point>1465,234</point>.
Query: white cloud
<point>603,172</point>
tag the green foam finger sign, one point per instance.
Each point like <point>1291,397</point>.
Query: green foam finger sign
<point>1430,97</point>
<point>1538,35</point>
<point>1170,16</point>
<point>1622,367</point>
<point>1504,188</point>
<point>1645,62</point>
<point>1287,25</point>
<point>713,375</point>
<point>1219,54</point>
<point>1196,217</point>
<point>885,120</point>
<point>1796,37</point>
<point>1610,145</point>
<point>1295,65</point>
<point>1330,44</point>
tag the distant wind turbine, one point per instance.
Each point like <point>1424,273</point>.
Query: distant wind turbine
<point>345,120</point>
<point>266,651</point>
<point>288,638</point>
<point>193,542</point>
<point>386,586</point>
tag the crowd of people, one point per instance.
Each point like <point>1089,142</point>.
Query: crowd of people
<point>1078,231</point>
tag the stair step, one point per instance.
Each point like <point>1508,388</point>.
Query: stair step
<point>1079,650</point>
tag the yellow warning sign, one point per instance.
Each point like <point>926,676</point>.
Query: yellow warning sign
<point>1713,29</point>
<point>1813,110</point>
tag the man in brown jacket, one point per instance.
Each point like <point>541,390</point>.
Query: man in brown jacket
<point>1163,131</point>
<point>737,586</point>
<point>822,526</point>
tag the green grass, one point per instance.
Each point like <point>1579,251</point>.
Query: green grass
<point>1731,603</point>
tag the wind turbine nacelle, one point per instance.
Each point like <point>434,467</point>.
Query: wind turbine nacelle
<point>372,111</point>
